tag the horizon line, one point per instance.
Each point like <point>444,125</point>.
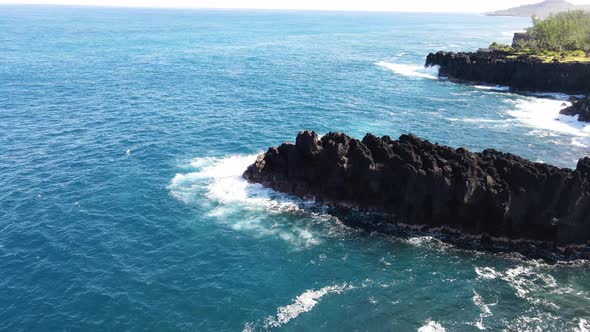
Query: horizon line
<point>239,8</point>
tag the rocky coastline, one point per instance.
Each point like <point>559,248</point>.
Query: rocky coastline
<point>489,195</point>
<point>520,73</point>
<point>580,107</point>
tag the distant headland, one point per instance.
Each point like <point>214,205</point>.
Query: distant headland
<point>542,9</point>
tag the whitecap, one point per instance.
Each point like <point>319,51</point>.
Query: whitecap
<point>302,304</point>
<point>583,326</point>
<point>432,326</point>
<point>486,273</point>
<point>411,70</point>
<point>499,88</point>
<point>484,308</point>
<point>478,120</point>
<point>382,260</point>
<point>528,282</point>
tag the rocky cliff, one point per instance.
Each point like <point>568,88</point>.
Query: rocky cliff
<point>520,73</point>
<point>421,183</point>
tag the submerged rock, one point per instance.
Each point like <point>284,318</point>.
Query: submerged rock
<point>518,72</point>
<point>421,183</point>
<point>580,107</point>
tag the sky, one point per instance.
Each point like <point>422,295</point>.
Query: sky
<point>475,6</point>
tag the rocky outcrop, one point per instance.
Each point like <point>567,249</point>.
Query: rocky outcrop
<point>580,107</point>
<point>434,186</point>
<point>521,73</point>
<point>521,37</point>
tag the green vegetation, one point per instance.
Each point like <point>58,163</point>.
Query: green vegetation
<point>567,31</point>
<point>501,47</point>
<point>563,37</point>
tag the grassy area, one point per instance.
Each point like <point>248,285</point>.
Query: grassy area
<point>543,55</point>
<point>565,59</point>
<point>556,56</point>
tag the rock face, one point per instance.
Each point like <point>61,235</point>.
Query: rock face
<point>421,183</point>
<point>520,73</point>
<point>580,107</point>
<point>521,37</point>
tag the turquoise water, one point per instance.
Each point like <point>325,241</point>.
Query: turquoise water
<point>123,134</point>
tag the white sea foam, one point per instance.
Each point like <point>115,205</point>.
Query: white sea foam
<point>525,279</point>
<point>411,70</point>
<point>580,142</point>
<point>222,182</point>
<point>498,88</point>
<point>302,304</point>
<point>543,115</point>
<point>432,326</point>
<point>484,308</point>
<point>478,120</point>
<point>529,281</point>
<point>429,242</point>
<point>486,273</point>
<point>217,185</point>
<point>583,326</point>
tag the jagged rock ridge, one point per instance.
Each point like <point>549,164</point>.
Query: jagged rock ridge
<point>421,183</point>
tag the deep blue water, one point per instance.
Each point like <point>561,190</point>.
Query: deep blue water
<point>123,133</point>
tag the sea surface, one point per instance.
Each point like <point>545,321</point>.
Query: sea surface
<point>124,132</point>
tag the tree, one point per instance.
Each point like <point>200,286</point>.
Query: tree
<point>565,31</point>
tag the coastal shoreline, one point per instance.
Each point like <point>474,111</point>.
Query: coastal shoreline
<point>386,224</point>
<point>519,73</point>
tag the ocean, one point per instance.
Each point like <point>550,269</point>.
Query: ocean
<point>124,132</point>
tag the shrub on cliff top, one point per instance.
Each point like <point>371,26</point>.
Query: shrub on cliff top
<point>565,31</point>
<point>500,47</point>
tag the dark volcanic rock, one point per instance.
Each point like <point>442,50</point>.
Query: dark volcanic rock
<point>580,107</point>
<point>421,183</point>
<point>520,73</point>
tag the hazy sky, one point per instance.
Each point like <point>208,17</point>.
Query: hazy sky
<point>369,5</point>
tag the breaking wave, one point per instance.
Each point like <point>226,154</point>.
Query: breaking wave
<point>498,88</point>
<point>543,114</point>
<point>432,326</point>
<point>301,304</point>
<point>252,208</point>
<point>411,70</point>
<point>484,308</point>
